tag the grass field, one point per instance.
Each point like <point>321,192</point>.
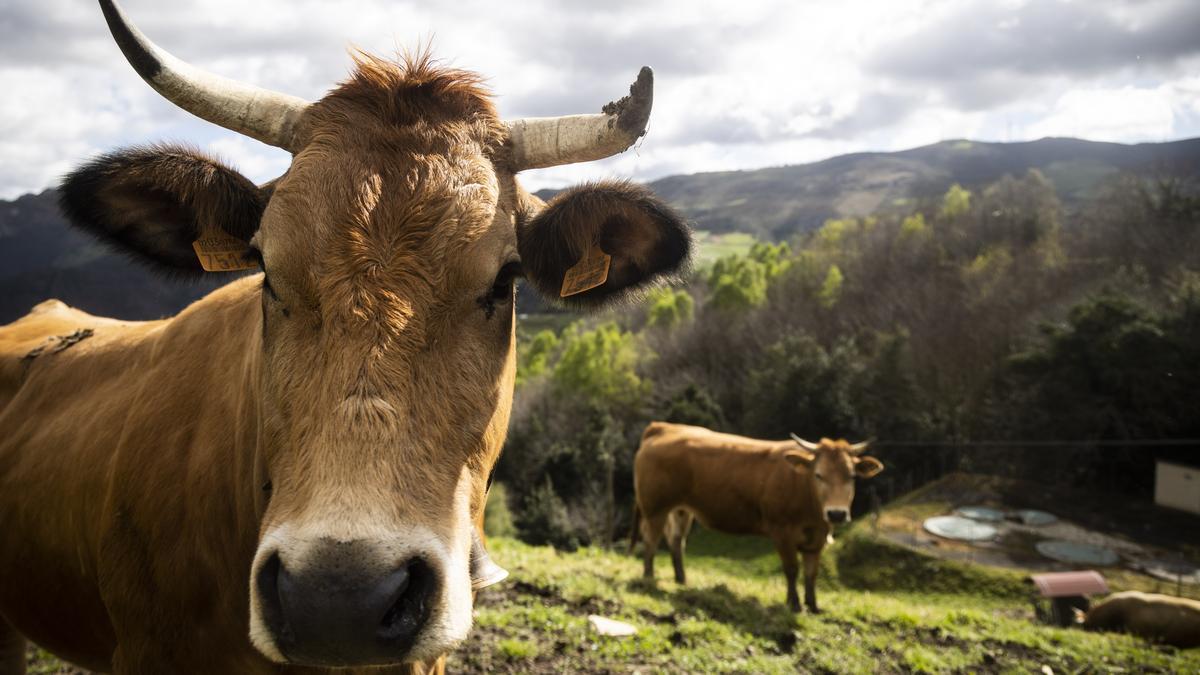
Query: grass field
<point>710,247</point>
<point>886,609</point>
<point>731,617</point>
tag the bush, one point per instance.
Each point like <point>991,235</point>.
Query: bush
<point>543,519</point>
<point>497,517</point>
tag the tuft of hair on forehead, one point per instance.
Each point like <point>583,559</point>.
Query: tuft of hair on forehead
<point>839,444</point>
<point>415,88</point>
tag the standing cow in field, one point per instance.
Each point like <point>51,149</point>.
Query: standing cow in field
<point>291,473</point>
<point>791,491</point>
<point>1159,618</point>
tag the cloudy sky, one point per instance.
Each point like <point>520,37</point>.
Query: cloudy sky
<point>739,84</point>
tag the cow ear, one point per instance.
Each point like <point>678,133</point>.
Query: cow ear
<point>644,238</point>
<point>153,203</point>
<point>799,458</point>
<point>866,467</point>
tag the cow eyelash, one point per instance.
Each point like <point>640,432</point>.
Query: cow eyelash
<point>502,287</point>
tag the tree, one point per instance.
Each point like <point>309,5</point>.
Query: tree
<point>601,364</point>
<point>956,202</point>
<point>669,308</point>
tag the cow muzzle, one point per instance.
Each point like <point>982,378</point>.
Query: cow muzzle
<point>344,607</point>
<point>837,516</point>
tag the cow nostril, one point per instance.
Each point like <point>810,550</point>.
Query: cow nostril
<point>269,599</point>
<point>836,516</point>
<point>410,588</point>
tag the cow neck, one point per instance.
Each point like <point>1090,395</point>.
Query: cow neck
<point>230,322</point>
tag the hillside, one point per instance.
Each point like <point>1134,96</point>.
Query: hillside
<point>40,256</point>
<point>886,609</point>
<point>776,203</point>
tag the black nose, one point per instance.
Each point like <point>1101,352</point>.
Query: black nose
<point>339,610</point>
<point>836,515</point>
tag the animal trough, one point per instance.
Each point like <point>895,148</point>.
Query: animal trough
<point>1034,517</point>
<point>957,527</point>
<point>1077,552</point>
<point>984,514</point>
<point>1067,592</point>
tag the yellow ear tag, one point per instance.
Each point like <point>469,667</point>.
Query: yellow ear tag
<point>590,272</point>
<point>220,252</point>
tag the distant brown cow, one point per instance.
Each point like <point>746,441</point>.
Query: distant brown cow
<point>790,491</point>
<point>1159,618</point>
<point>291,473</point>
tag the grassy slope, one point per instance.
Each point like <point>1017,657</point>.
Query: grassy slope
<point>886,609</point>
<point>731,619</point>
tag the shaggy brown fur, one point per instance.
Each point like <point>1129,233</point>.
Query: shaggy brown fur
<point>1155,617</point>
<point>743,485</point>
<point>358,391</point>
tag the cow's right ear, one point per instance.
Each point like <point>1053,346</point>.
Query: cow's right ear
<point>632,237</point>
<point>799,458</point>
<point>153,203</point>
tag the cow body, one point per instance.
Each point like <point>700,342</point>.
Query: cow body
<point>128,483</point>
<point>289,476</point>
<point>1159,618</point>
<point>736,485</point>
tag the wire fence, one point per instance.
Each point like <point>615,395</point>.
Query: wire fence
<point>1125,468</point>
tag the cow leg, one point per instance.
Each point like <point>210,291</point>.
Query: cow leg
<point>12,650</point>
<point>652,530</point>
<point>812,563</point>
<point>791,569</point>
<point>678,525</point>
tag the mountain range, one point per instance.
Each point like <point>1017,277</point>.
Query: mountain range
<point>42,257</point>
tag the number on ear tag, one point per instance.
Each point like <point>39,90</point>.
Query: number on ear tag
<point>590,272</point>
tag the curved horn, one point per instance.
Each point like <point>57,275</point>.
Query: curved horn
<point>261,114</point>
<point>484,572</point>
<point>807,445</point>
<point>539,142</point>
<point>856,448</point>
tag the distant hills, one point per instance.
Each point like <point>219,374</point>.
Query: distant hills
<point>778,202</point>
<point>41,257</point>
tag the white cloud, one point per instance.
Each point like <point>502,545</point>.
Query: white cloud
<point>255,160</point>
<point>1122,114</point>
<point>738,85</point>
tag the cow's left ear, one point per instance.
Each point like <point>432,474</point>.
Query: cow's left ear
<point>866,467</point>
<point>645,238</point>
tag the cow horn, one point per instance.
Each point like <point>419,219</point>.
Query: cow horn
<point>859,447</point>
<point>261,114</point>
<point>539,142</point>
<point>807,445</point>
<point>484,572</point>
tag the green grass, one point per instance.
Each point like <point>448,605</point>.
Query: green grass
<point>710,247</point>
<point>886,609</point>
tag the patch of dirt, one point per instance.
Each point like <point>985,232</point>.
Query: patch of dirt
<point>1083,518</point>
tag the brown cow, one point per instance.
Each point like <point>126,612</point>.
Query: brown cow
<point>790,491</point>
<point>292,471</point>
<point>1159,618</point>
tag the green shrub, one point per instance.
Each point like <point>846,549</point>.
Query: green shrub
<point>543,519</point>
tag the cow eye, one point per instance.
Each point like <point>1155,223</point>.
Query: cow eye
<point>819,477</point>
<point>502,287</point>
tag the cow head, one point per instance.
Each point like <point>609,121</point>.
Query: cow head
<point>385,362</point>
<point>833,466</point>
